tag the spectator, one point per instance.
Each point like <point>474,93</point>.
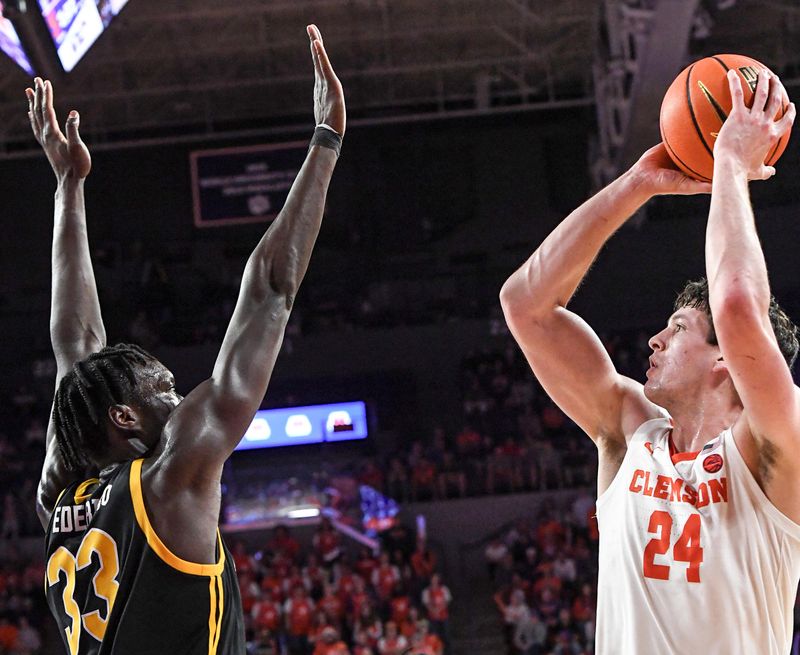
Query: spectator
<point>298,611</point>
<point>437,598</point>
<point>424,642</point>
<point>362,645</point>
<point>8,635</point>
<point>327,543</point>
<point>392,643</point>
<point>451,475</point>
<point>28,639</point>
<point>397,480</point>
<point>330,644</point>
<point>10,518</point>
<point>530,635</point>
<point>266,613</point>
<point>332,605</point>
<point>423,480</point>
<point>423,564</point>
<point>367,622</point>
<point>385,578</point>
<point>494,553</point>
<point>564,567</point>
<point>400,605</point>
<point>283,543</point>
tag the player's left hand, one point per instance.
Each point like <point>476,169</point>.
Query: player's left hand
<point>657,174</point>
<point>328,93</point>
<point>68,155</point>
<point>747,135</point>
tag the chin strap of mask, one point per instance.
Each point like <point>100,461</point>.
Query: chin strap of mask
<point>137,445</point>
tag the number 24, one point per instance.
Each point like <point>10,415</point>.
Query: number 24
<point>686,549</point>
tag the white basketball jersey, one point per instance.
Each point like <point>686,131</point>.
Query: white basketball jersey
<point>694,558</point>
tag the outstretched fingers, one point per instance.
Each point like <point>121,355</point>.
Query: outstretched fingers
<point>783,125</point>
<point>777,94</point>
<point>762,92</point>
<point>36,127</point>
<point>735,86</point>
<point>49,120</point>
<point>313,33</point>
<point>326,68</point>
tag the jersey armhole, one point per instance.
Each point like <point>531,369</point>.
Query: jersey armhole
<point>154,541</point>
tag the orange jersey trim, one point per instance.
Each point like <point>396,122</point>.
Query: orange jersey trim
<point>153,540</point>
<point>684,457</point>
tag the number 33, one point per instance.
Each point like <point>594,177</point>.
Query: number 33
<point>104,583</point>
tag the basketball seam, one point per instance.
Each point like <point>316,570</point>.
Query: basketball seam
<point>691,112</point>
<point>721,63</point>
<point>682,163</point>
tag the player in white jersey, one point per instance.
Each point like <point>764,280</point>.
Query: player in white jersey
<point>699,473</point>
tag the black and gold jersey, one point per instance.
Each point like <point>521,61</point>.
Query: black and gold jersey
<point>114,587</point>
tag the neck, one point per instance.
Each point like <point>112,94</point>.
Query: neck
<point>696,423</point>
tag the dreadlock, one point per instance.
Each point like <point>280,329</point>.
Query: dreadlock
<point>103,379</point>
<point>695,295</point>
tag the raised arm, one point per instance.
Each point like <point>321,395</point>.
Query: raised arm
<point>565,354</point>
<point>76,327</point>
<point>739,292</point>
<point>212,419</point>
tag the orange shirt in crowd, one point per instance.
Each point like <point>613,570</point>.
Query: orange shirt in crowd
<point>298,616</point>
<point>267,614</point>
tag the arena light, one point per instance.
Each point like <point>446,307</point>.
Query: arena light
<point>308,513</point>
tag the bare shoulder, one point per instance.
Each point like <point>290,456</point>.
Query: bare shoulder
<point>184,517</point>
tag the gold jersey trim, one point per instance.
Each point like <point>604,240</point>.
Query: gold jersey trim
<point>153,540</point>
<point>82,492</point>
<point>216,598</point>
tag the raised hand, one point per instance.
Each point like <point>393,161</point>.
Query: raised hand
<point>659,175</point>
<point>68,155</point>
<point>328,94</point>
<point>747,135</point>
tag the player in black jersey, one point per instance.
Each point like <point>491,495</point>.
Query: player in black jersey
<point>135,560</point>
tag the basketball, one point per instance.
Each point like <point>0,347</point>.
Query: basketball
<point>698,102</point>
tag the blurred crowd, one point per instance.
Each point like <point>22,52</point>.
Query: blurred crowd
<point>545,578</point>
<point>327,600</point>
<point>23,609</point>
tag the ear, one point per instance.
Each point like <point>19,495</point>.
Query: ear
<point>123,417</point>
<point>720,365</point>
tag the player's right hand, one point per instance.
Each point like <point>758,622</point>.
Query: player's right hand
<point>328,93</point>
<point>656,172</point>
<point>68,155</point>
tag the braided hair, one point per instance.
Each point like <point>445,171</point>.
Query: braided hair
<point>103,379</point>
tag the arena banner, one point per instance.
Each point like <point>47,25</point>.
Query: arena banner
<point>248,184</point>
<point>310,424</point>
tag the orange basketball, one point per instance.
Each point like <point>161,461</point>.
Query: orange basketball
<point>698,102</point>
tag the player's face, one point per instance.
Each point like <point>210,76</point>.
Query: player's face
<point>682,358</point>
<point>160,400</point>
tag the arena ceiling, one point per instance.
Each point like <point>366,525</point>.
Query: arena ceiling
<point>197,67</point>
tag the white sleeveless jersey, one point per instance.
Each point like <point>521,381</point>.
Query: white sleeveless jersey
<point>694,558</point>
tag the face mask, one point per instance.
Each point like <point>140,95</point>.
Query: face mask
<point>137,445</point>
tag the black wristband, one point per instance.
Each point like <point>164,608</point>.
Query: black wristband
<point>326,138</point>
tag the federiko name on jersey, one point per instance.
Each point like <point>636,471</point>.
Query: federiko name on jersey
<point>675,490</point>
<point>71,518</point>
